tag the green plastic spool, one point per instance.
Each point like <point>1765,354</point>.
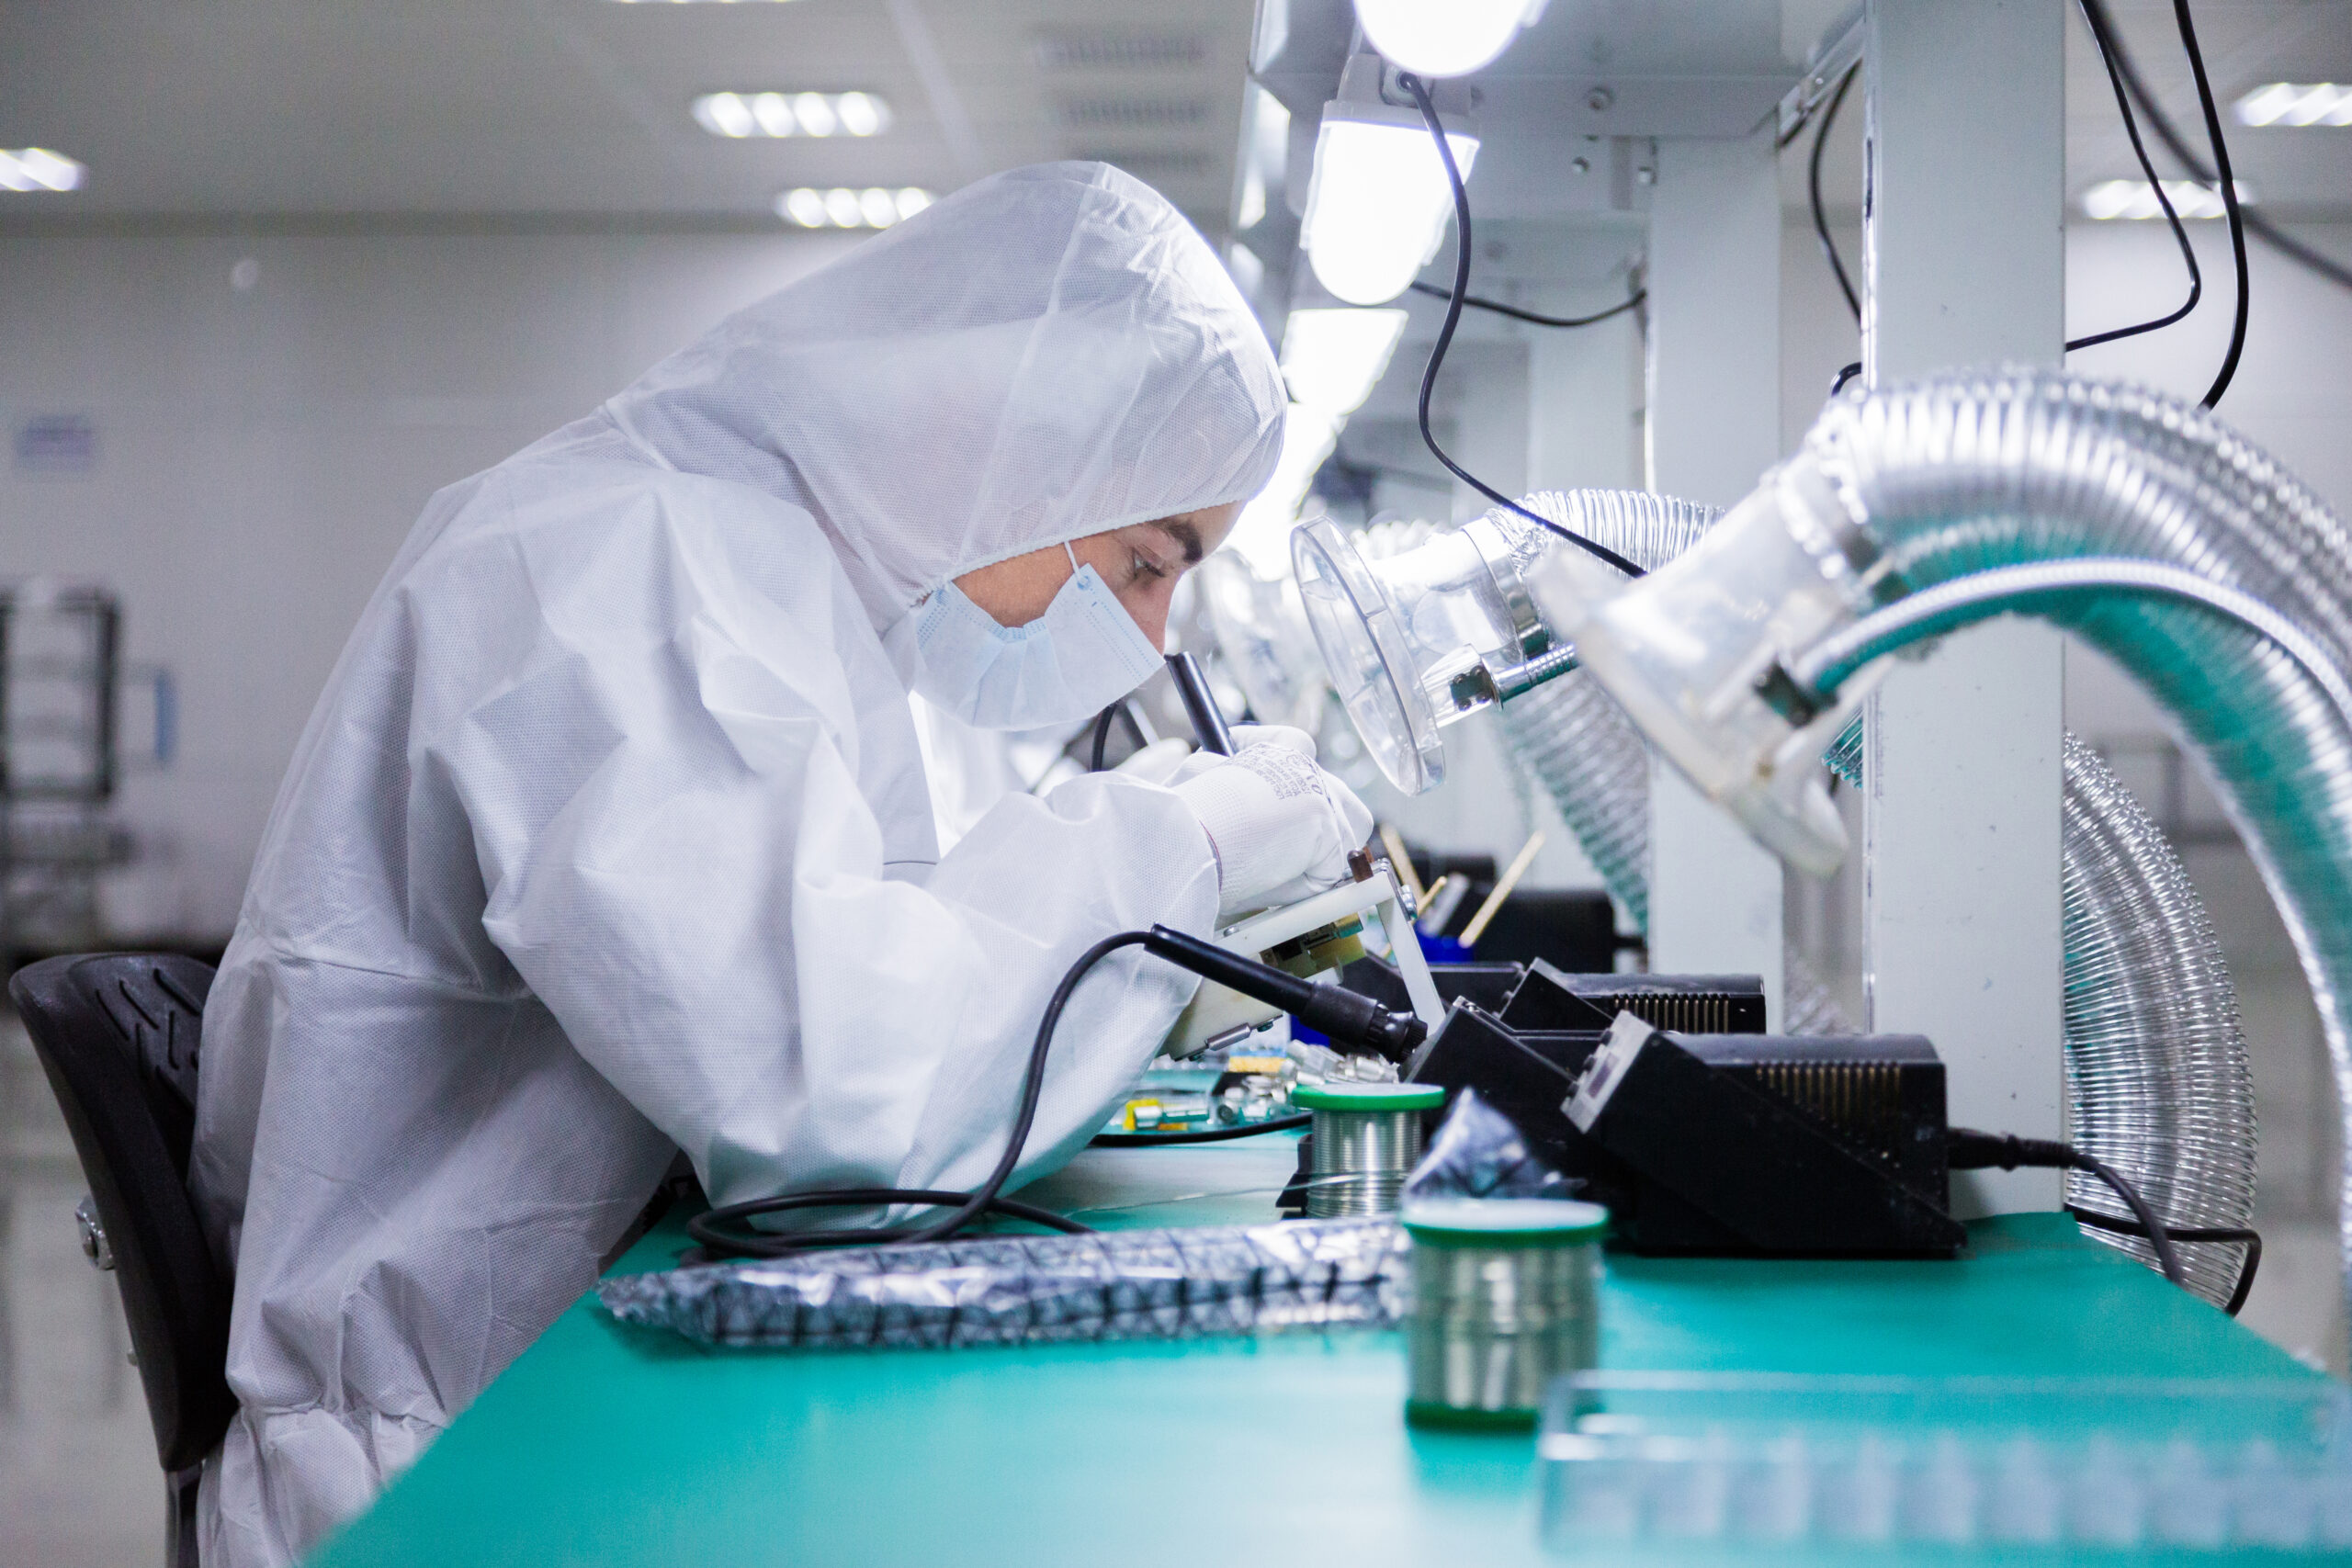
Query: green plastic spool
<point>1504,1221</point>
<point>1368,1097</point>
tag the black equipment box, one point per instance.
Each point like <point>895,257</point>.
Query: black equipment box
<point>1716,1143</point>
<point>1711,1004</point>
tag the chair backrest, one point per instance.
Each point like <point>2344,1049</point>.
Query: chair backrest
<point>118,1034</point>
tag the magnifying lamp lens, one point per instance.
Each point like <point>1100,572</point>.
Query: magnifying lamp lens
<point>1412,640</point>
<point>1357,632</point>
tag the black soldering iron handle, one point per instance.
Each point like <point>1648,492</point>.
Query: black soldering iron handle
<point>1200,706</point>
<point>1349,1019</point>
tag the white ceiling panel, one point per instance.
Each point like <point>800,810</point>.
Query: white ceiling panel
<point>294,107</point>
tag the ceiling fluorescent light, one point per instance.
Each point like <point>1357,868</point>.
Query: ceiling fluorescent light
<point>738,115</point>
<point>1378,201</point>
<point>1333,357</point>
<point>2296,103</point>
<point>1444,38</point>
<point>842,208</point>
<point>38,169</point>
<point>2136,199</point>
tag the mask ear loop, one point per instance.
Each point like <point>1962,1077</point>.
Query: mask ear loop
<point>1074,568</point>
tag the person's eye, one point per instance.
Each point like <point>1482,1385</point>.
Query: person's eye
<point>1145,567</point>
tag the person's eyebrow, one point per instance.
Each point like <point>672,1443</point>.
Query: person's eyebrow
<point>1185,534</point>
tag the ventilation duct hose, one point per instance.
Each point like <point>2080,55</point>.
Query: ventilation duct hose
<point>1957,475</point>
<point>1571,735</point>
<point>2160,1086</point>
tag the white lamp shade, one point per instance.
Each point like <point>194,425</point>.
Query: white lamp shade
<point>1444,38</point>
<point>1377,205</point>
<point>1333,357</point>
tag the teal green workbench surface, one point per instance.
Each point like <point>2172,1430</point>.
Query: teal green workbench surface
<point>610,1446</point>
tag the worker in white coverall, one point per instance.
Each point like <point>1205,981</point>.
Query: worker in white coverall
<point>610,837</point>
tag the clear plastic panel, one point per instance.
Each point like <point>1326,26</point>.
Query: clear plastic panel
<point>1408,639</point>
<point>1361,638</point>
<point>1685,1461</point>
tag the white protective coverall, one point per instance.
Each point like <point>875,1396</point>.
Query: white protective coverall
<point>609,836</point>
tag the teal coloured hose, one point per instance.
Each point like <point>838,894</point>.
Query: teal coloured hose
<point>2160,1085</point>
<point>1966,474</point>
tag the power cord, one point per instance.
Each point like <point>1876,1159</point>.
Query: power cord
<point>2095,16</point>
<point>1967,1150</point>
<point>2103,28</point>
<point>1533,318</point>
<point>1342,1015</point>
<point>2250,1239</point>
<point>1412,83</point>
<point>1820,212</point>
<point>2229,186</point>
<point>2260,226</point>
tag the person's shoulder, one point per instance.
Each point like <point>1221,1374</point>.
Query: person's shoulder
<point>583,489</point>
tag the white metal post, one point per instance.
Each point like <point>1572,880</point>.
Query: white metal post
<point>1582,390</point>
<point>1714,426</point>
<point>1963,264</point>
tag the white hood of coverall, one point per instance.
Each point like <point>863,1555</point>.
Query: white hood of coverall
<point>610,836</point>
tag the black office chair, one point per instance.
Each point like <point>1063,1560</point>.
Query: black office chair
<point>118,1034</point>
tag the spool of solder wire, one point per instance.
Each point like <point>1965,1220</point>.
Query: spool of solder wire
<point>1367,1140</point>
<point>1506,1297</point>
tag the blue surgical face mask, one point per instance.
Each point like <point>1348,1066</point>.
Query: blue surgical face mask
<point>1083,654</point>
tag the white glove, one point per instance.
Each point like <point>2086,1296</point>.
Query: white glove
<point>1158,762</point>
<point>1170,760</point>
<point>1281,826</point>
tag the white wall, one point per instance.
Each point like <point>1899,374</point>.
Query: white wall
<point>262,452</point>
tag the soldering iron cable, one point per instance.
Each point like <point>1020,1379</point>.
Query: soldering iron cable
<point>1342,1015</point>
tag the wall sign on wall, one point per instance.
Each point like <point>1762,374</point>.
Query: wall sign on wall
<point>56,444</point>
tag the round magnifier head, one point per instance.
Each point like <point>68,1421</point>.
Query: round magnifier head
<point>1361,638</point>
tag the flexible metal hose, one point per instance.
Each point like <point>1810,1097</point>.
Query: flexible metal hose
<point>1958,476</point>
<point>2161,1088</point>
<point>1569,732</point>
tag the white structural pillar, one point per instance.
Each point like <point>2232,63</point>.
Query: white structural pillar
<point>1963,264</point>
<point>1582,389</point>
<point>1714,427</point>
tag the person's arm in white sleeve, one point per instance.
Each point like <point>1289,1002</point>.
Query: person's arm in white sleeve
<point>680,864</point>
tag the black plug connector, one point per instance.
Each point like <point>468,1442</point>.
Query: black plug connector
<point>1349,1019</point>
<point>1968,1150</point>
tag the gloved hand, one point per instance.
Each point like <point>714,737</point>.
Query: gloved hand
<point>1158,762</point>
<point>1281,826</point>
<point>1170,760</point>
